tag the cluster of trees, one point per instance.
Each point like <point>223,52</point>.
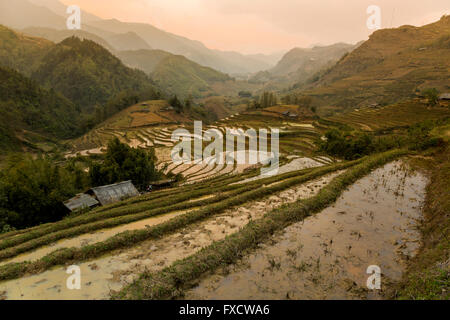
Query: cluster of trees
<point>267,99</point>
<point>32,191</point>
<point>344,145</point>
<point>179,106</point>
<point>123,163</point>
<point>24,105</point>
<point>432,95</point>
<point>349,145</point>
<point>88,74</point>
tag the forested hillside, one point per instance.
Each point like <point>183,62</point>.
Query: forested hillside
<point>61,90</point>
<point>24,105</point>
<point>87,74</point>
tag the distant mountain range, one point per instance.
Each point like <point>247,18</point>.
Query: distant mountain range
<point>300,64</point>
<point>61,87</point>
<point>85,76</point>
<point>128,36</point>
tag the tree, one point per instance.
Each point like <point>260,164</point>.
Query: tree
<point>188,103</point>
<point>432,95</point>
<point>268,99</point>
<point>33,191</point>
<point>304,101</point>
<point>176,104</point>
<point>125,163</point>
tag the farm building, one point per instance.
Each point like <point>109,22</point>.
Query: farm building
<point>102,196</point>
<point>114,192</point>
<point>444,96</point>
<point>81,201</point>
<point>290,114</point>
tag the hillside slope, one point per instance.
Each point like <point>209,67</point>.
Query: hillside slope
<point>299,65</point>
<point>84,84</point>
<point>87,74</point>
<point>21,52</point>
<point>394,64</point>
<point>24,107</point>
<point>145,60</point>
<point>128,41</point>
<point>178,74</point>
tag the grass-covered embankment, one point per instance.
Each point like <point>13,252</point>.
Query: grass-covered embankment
<point>131,238</point>
<point>428,275</point>
<point>172,281</point>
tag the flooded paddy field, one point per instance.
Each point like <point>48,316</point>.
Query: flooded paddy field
<point>326,256</point>
<point>115,270</point>
<point>94,237</point>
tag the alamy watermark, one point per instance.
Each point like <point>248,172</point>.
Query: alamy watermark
<point>73,282</point>
<point>374,20</point>
<point>374,281</point>
<point>74,20</point>
<point>213,153</point>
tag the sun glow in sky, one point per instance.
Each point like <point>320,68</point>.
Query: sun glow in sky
<point>266,26</point>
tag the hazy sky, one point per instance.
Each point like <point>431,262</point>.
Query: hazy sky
<point>266,26</point>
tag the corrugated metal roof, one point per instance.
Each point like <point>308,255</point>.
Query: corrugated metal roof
<point>445,96</point>
<point>80,201</point>
<point>115,192</point>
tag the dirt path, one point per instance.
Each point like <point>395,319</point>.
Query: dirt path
<point>327,255</point>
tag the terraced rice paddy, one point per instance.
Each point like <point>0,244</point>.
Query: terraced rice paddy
<point>295,138</point>
<point>113,245</point>
<point>119,268</point>
<point>326,256</point>
<point>181,241</point>
<point>392,116</point>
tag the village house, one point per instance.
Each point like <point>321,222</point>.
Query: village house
<point>102,196</point>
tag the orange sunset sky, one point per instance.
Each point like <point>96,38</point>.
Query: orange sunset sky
<point>266,26</point>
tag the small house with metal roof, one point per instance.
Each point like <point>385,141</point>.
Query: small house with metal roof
<point>114,192</point>
<point>81,201</point>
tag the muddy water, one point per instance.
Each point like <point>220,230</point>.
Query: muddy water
<point>293,165</point>
<point>112,272</point>
<point>97,236</point>
<point>327,255</point>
